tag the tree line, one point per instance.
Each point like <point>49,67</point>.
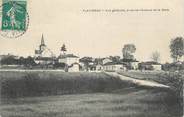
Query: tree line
<point>176,50</point>
<point>11,60</point>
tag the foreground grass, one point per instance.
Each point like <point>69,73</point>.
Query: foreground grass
<point>16,84</point>
<point>173,79</point>
<point>43,94</point>
<point>123,103</point>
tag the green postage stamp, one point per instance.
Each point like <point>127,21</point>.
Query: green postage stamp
<point>14,18</point>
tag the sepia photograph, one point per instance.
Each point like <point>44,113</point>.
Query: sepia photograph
<point>91,58</point>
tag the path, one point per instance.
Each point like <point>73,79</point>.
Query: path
<point>137,81</point>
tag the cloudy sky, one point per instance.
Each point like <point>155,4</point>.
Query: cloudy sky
<point>100,34</point>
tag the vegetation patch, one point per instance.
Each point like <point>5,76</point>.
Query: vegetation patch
<point>37,83</point>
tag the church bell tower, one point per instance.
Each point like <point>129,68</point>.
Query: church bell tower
<point>42,45</point>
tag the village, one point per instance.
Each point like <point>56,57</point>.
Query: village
<point>91,58</point>
<point>44,58</point>
<point>68,81</point>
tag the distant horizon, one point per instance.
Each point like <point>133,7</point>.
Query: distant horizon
<point>105,56</point>
<point>121,57</point>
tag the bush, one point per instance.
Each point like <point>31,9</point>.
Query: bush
<point>173,66</point>
<point>175,81</point>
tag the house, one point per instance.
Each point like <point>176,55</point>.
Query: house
<point>44,55</point>
<point>68,59</point>
<point>134,64</point>
<point>74,67</point>
<point>150,65</point>
<point>71,61</point>
<point>131,64</point>
<point>99,67</point>
<point>157,67</point>
<point>114,66</point>
<point>44,60</point>
<point>181,59</point>
<point>88,64</point>
<point>82,66</point>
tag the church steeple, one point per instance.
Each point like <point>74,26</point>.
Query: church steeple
<point>42,41</point>
<point>42,45</point>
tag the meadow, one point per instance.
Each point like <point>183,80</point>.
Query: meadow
<point>83,94</point>
<point>45,83</point>
<point>172,79</point>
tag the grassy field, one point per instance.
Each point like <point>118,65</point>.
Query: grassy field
<point>45,83</point>
<point>59,94</point>
<point>172,79</point>
<point>123,103</point>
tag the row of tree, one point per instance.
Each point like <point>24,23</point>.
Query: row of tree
<point>11,60</point>
<point>176,49</point>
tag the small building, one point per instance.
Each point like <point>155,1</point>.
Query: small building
<point>99,67</point>
<point>82,66</point>
<point>74,67</point>
<point>181,59</point>
<point>131,64</point>
<point>157,67</point>
<point>44,60</point>
<point>113,66</point>
<point>68,59</point>
<point>134,65</point>
<point>71,61</point>
<point>150,65</point>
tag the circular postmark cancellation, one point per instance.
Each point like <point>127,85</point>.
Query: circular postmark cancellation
<point>14,19</point>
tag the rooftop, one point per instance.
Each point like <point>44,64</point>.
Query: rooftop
<point>115,63</point>
<point>151,63</point>
<point>68,56</point>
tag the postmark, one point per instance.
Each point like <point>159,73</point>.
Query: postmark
<point>14,19</point>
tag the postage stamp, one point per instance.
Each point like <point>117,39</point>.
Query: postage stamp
<point>14,18</point>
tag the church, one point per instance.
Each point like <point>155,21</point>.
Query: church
<point>44,55</point>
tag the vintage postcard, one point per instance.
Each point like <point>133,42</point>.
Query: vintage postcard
<point>91,58</point>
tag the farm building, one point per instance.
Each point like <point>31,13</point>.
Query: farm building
<point>68,59</point>
<point>150,65</point>
<point>131,64</point>
<point>113,66</point>
<point>99,67</point>
<point>134,64</point>
<point>44,60</point>
<point>71,61</point>
<point>74,67</point>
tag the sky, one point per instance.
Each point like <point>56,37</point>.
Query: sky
<point>100,34</point>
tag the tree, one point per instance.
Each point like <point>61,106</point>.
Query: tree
<point>86,61</point>
<point>63,49</point>
<point>155,56</point>
<point>29,61</point>
<point>128,51</point>
<point>9,60</point>
<point>177,48</point>
<point>115,58</point>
